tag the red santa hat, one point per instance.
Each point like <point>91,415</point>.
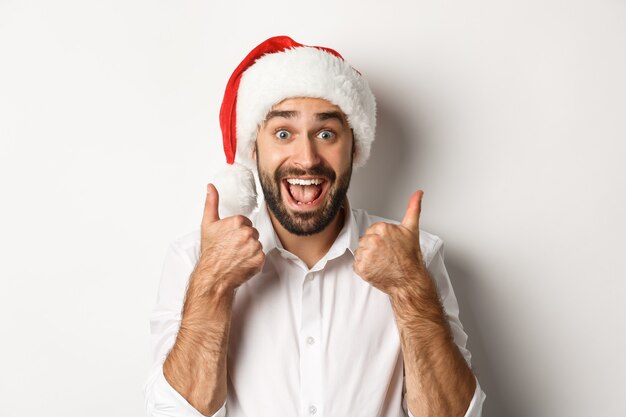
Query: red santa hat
<point>277,69</point>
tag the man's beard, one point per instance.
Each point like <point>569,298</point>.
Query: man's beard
<point>309,222</point>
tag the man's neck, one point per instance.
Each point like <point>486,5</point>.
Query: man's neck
<point>310,248</point>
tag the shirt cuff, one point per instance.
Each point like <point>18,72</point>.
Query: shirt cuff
<point>475,408</point>
<point>162,400</point>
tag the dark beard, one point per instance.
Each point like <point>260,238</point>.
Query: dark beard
<point>312,222</point>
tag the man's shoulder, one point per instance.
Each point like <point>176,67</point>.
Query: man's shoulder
<point>187,245</point>
<point>429,242</point>
<point>187,240</point>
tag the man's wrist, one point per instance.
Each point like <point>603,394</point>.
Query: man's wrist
<point>207,285</point>
<point>418,306</point>
<point>208,305</point>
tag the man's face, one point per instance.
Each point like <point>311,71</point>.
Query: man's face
<point>304,154</point>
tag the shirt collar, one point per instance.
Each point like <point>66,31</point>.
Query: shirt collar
<point>347,239</point>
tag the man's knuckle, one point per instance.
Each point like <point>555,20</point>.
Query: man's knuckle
<point>238,220</point>
<point>376,240</point>
<point>258,260</point>
<point>247,233</point>
<point>243,220</point>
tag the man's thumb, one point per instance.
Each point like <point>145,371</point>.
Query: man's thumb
<point>211,213</point>
<point>412,216</point>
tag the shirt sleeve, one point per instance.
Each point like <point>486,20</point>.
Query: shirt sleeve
<point>438,272</point>
<point>161,399</point>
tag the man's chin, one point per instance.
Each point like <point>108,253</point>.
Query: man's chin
<point>302,222</point>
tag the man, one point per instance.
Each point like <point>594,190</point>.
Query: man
<point>308,307</point>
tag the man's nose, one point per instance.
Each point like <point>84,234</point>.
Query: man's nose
<point>306,155</point>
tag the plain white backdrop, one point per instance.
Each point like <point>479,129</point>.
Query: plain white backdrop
<point>511,115</point>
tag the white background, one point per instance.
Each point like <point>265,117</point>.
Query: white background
<point>510,115</point>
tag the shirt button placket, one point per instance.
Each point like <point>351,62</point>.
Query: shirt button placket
<point>310,353</point>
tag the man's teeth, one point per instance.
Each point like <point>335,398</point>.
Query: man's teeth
<point>312,181</point>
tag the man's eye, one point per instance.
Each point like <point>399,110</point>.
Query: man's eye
<point>282,134</point>
<point>326,135</point>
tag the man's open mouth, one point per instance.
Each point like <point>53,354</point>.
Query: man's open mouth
<point>305,191</point>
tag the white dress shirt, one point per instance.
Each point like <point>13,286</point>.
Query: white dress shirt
<point>318,342</point>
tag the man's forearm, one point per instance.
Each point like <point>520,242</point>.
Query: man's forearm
<point>438,380</point>
<point>196,365</point>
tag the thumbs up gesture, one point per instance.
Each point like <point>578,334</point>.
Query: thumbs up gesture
<point>230,251</point>
<point>389,255</point>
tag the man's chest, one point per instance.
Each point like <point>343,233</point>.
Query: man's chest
<point>316,334</point>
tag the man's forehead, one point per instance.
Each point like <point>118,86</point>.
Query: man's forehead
<point>291,108</point>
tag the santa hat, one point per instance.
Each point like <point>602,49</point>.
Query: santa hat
<point>277,69</point>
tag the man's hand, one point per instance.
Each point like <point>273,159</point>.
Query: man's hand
<point>389,255</point>
<point>230,251</point>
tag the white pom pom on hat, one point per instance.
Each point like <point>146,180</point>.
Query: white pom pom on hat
<point>277,69</point>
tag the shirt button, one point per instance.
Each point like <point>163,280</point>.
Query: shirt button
<point>312,409</point>
<point>310,341</point>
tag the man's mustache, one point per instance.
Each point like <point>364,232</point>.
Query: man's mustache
<point>315,171</point>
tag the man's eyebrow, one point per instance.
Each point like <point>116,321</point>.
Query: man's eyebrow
<point>287,114</point>
<point>292,114</point>
<point>330,115</point>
